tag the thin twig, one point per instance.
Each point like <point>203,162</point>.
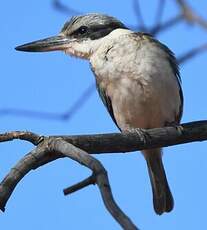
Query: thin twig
<point>138,13</point>
<point>166,25</point>
<point>190,15</point>
<point>67,115</point>
<point>81,100</point>
<point>58,5</point>
<point>192,53</point>
<point>159,12</point>
<point>88,181</point>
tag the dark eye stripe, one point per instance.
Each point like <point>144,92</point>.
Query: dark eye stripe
<point>111,26</point>
<point>99,31</point>
<point>95,31</point>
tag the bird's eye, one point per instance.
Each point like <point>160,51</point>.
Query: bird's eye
<point>83,30</point>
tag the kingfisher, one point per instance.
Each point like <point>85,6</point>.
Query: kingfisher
<point>137,78</point>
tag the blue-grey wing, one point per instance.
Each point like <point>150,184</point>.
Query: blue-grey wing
<point>174,65</point>
<point>107,102</point>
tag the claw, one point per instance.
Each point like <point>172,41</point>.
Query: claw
<point>179,129</point>
<point>177,126</point>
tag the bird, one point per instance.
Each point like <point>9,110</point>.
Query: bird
<point>137,78</point>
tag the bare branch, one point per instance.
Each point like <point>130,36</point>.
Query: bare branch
<point>21,135</point>
<point>9,183</point>
<point>160,11</point>
<point>17,112</point>
<point>101,178</point>
<point>64,148</point>
<point>54,147</point>
<point>124,142</point>
<point>190,14</point>
<point>166,25</point>
<point>81,100</point>
<point>192,53</point>
<point>138,13</point>
<point>87,93</point>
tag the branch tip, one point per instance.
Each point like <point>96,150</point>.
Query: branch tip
<point>88,181</point>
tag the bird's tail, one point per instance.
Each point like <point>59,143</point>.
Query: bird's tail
<point>162,197</point>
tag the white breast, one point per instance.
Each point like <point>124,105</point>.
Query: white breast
<point>137,76</point>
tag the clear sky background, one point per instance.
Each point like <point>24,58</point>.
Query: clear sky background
<point>51,82</point>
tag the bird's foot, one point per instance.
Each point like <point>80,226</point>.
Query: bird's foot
<point>142,134</point>
<point>177,126</point>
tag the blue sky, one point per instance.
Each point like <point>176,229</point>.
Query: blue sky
<point>51,82</point>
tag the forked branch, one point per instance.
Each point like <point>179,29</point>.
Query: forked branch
<point>79,148</point>
<point>65,149</point>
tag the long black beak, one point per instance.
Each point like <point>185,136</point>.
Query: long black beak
<point>59,42</point>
